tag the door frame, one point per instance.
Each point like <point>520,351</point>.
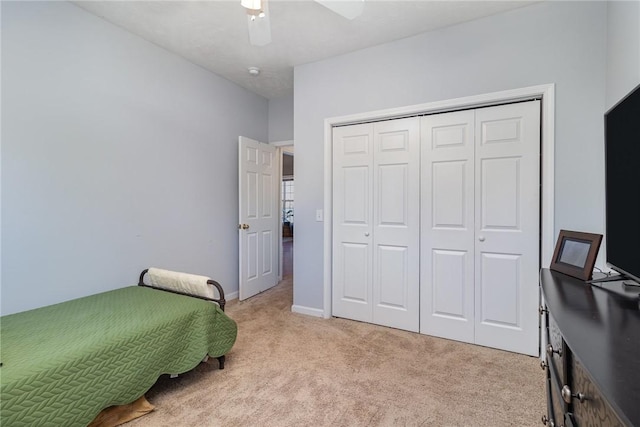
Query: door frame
<point>545,92</point>
<point>280,152</point>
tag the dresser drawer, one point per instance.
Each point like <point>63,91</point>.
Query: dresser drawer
<point>556,404</point>
<point>593,410</point>
<point>555,350</point>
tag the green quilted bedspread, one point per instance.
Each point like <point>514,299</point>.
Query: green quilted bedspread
<point>63,364</point>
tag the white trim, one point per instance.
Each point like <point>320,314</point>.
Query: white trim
<point>280,152</point>
<point>309,311</point>
<point>547,178</point>
<point>328,217</point>
<point>547,92</point>
<point>231,296</point>
<point>282,143</point>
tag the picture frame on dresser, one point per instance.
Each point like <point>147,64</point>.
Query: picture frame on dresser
<point>575,253</point>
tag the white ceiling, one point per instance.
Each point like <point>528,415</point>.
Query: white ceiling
<point>214,34</point>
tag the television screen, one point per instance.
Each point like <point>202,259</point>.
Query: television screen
<point>622,174</point>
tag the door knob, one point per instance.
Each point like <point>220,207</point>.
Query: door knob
<point>243,226</point>
<point>366,234</point>
<point>481,238</point>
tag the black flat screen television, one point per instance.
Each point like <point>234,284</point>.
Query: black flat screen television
<point>622,177</point>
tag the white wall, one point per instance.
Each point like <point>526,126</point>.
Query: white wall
<point>116,156</point>
<point>623,49</point>
<point>281,119</point>
<point>550,42</point>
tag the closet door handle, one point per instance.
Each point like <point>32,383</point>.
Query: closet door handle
<point>366,234</point>
<point>481,238</point>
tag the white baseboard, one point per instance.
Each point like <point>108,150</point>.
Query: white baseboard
<point>231,296</point>
<point>300,309</point>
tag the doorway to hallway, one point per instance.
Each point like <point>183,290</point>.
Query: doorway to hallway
<point>287,202</point>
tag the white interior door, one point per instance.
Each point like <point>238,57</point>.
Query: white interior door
<point>507,211</point>
<point>258,175</point>
<point>447,226</point>
<point>376,242</point>
<point>396,224</point>
<point>480,219</point>
<point>352,222</point>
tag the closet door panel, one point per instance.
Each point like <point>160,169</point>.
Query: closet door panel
<point>507,226</point>
<point>352,222</point>
<point>449,270</point>
<point>501,282</point>
<point>393,195</point>
<point>447,225</point>
<point>392,270</point>
<point>500,201</point>
<point>396,240</point>
<point>450,197</point>
<point>355,197</point>
<point>354,264</point>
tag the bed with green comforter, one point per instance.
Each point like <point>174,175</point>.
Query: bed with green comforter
<point>63,364</point>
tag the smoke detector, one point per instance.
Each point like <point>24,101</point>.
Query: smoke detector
<point>254,71</point>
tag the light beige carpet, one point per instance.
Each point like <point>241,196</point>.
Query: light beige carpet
<point>288,369</point>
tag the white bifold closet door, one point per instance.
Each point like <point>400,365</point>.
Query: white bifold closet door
<point>480,215</point>
<point>376,220</point>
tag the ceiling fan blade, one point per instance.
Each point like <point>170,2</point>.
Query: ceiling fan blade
<point>260,27</point>
<point>349,9</point>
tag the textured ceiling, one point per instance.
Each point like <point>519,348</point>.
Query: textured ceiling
<point>214,34</point>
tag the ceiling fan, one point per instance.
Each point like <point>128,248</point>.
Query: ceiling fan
<point>260,26</point>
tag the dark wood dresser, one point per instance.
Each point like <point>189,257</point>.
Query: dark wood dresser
<point>592,354</point>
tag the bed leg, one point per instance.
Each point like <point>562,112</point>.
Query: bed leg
<point>221,362</point>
